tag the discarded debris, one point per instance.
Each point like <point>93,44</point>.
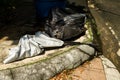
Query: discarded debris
<point>32,45</point>
<point>65,26</point>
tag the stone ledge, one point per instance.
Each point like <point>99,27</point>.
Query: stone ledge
<point>109,33</point>
<point>47,68</point>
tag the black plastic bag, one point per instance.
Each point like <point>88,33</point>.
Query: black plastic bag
<point>64,25</point>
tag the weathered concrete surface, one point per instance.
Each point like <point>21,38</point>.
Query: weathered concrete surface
<point>98,68</point>
<point>91,70</point>
<point>106,15</point>
<point>110,70</point>
<point>46,68</point>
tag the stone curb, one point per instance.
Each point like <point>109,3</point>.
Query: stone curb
<point>110,41</point>
<point>46,69</point>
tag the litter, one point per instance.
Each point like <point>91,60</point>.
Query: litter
<point>65,25</point>
<point>32,45</point>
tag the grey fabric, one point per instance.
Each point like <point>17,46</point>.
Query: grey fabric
<point>32,45</point>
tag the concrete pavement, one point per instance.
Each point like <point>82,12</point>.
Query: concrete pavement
<point>106,18</point>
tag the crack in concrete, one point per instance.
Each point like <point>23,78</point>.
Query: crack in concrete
<point>83,51</point>
<point>95,51</point>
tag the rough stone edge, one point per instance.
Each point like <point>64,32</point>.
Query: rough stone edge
<point>109,51</point>
<point>46,69</point>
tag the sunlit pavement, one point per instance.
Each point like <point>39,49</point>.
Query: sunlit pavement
<point>97,69</point>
